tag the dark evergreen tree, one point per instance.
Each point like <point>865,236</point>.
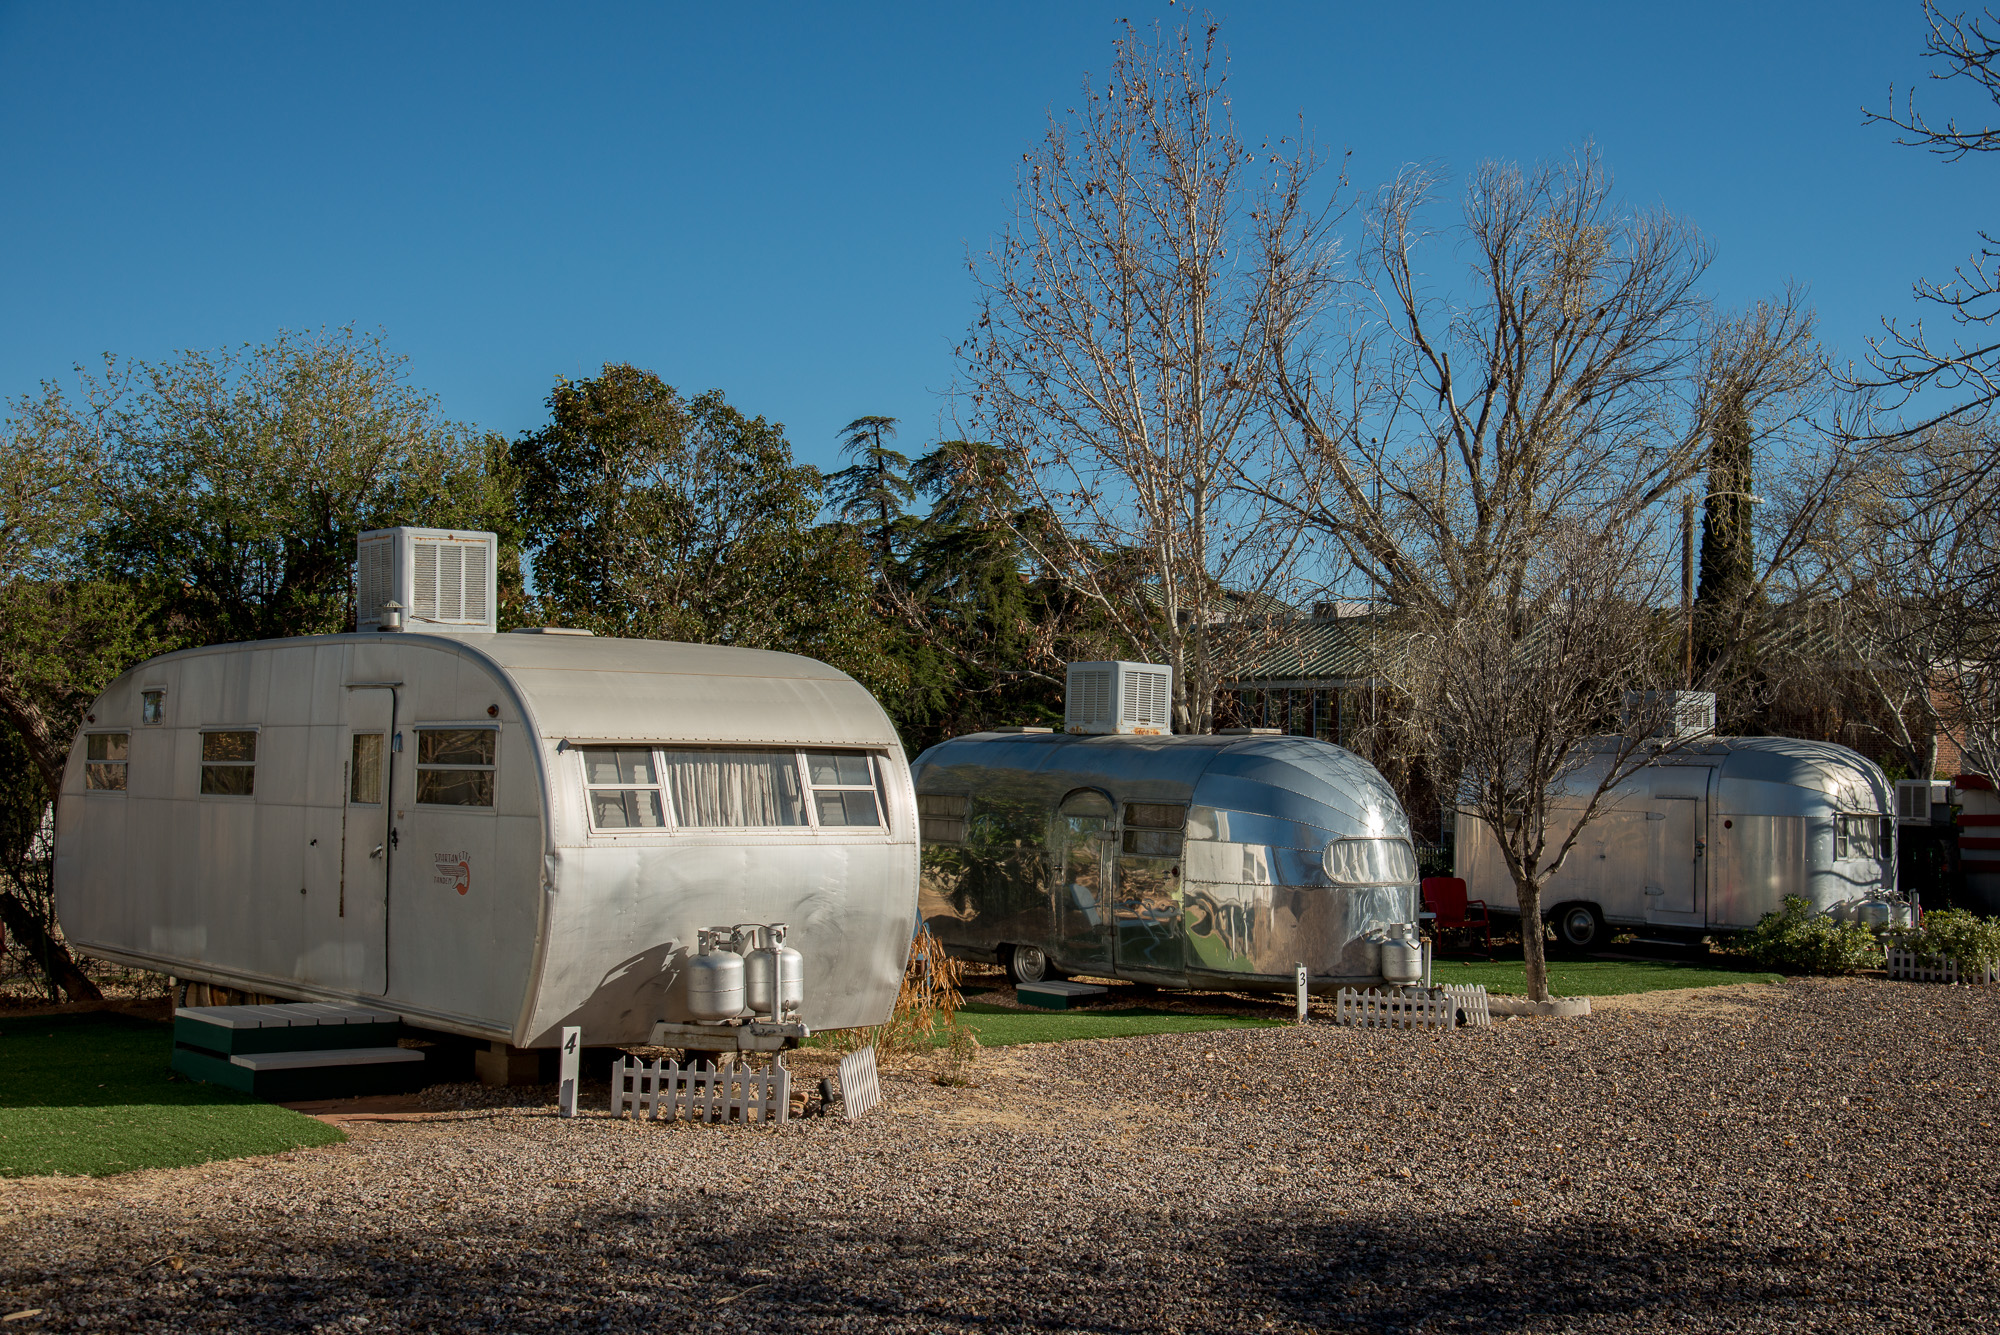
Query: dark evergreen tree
<point>1728,541</point>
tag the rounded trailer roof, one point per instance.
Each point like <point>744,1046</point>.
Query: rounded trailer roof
<point>1280,776</point>
<point>583,688</point>
<point>589,689</point>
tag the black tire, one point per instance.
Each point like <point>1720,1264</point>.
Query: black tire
<point>1579,927</point>
<point>1028,964</point>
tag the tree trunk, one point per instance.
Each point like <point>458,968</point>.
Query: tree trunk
<point>1534,951</point>
<point>52,954</point>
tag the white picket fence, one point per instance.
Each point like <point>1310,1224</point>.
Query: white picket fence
<point>1471,999</point>
<point>668,1091</point>
<point>860,1086</point>
<point>1910,967</point>
<point>1416,1008</point>
<point>1368,1008</point>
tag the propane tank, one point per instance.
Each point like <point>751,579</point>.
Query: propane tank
<point>715,983</point>
<point>1874,914</point>
<point>1402,962</point>
<point>762,970</point>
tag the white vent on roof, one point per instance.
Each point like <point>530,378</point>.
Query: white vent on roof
<point>1118,697</point>
<point>444,579</point>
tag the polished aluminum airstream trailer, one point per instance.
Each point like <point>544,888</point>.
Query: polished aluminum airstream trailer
<point>1198,861</point>
<point>1709,837</point>
<point>494,835</point>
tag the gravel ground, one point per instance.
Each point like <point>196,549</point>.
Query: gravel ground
<point>1811,1156</point>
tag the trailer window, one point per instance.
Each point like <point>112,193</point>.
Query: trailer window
<point>1153,829</point>
<point>152,707</point>
<point>104,755</point>
<point>455,766</point>
<point>738,788</point>
<point>364,777</point>
<point>843,788</point>
<point>1370,862</point>
<point>624,785</point>
<point>942,816</point>
<point>1854,837</point>
<point>229,763</point>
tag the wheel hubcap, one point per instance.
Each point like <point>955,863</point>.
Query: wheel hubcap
<point>1030,964</point>
<point>1579,927</point>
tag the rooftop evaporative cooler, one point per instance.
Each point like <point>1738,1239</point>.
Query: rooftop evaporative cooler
<point>1118,697</point>
<point>442,578</point>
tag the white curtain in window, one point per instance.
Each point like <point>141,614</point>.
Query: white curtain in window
<point>734,788</point>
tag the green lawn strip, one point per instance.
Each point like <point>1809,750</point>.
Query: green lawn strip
<point>93,1095</point>
<point>1593,978</point>
<point>999,1026</point>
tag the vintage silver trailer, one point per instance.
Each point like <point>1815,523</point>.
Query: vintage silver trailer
<point>1710,837</point>
<point>494,835</point>
<point>1196,861</point>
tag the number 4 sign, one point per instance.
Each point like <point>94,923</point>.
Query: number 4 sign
<point>572,1050</point>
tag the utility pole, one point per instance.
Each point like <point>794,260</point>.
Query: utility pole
<point>1687,589</point>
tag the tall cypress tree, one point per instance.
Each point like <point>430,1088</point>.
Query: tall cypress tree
<point>1728,544</point>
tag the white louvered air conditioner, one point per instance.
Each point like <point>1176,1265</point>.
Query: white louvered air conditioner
<point>444,579</point>
<point>1118,697</point>
<point>1920,801</point>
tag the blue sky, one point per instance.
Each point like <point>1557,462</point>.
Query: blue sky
<point>778,200</point>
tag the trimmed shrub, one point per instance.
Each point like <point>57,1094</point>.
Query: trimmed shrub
<point>1956,934</point>
<point>1800,940</point>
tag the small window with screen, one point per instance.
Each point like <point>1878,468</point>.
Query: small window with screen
<point>455,766</point>
<point>624,787</point>
<point>843,788</point>
<point>942,816</point>
<point>1153,829</point>
<point>152,707</point>
<point>364,775</point>
<point>104,756</point>
<point>228,764</point>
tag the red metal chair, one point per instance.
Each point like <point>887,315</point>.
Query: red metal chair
<point>1444,896</point>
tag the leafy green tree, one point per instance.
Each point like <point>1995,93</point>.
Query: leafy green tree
<point>239,479</point>
<point>62,637</point>
<point>654,516</point>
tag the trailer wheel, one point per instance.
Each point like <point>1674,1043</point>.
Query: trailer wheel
<point>1579,927</point>
<point>1027,964</point>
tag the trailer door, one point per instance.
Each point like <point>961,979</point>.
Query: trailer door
<point>1147,904</point>
<point>1083,876</point>
<point>357,957</point>
<point>1675,861</point>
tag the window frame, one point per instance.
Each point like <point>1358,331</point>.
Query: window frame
<point>670,811</point>
<point>156,695</point>
<point>204,764</point>
<point>124,766</point>
<point>418,767</point>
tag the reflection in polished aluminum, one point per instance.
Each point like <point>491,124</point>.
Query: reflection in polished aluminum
<point>1179,861</point>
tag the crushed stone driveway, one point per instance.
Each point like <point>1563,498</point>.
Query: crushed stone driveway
<point>1810,1156</point>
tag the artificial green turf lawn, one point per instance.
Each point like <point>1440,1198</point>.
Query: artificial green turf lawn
<point>93,1095</point>
<point>1593,978</point>
<point>998,1026</point>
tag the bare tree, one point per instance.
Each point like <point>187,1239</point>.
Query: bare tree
<point>1546,701</point>
<point>1898,634</point>
<point>1966,50</point>
<point>1456,444</point>
<point>1121,349</point>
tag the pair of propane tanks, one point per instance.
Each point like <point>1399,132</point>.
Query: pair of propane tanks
<point>746,969</point>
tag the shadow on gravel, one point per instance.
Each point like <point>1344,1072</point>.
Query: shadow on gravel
<point>722,1261</point>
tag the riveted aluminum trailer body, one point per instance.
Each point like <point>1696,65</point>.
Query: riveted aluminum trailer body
<point>1713,837</point>
<point>411,821</point>
<point>1198,861</point>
